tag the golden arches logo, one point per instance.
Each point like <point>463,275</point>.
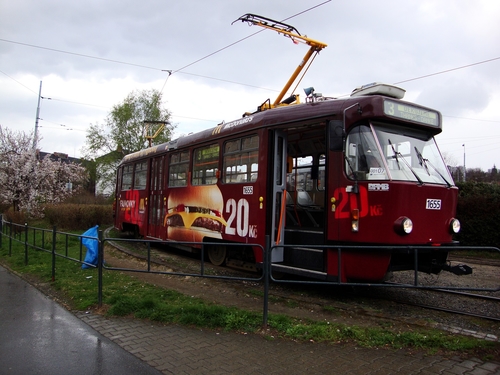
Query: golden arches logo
<point>217,129</point>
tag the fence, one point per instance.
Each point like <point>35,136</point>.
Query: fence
<point>57,244</point>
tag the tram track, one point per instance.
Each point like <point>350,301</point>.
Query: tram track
<point>480,297</point>
<point>469,302</point>
<point>475,260</point>
<point>452,311</point>
<point>472,295</point>
<point>385,304</point>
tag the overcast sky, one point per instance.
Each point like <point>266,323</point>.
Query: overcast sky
<point>91,54</point>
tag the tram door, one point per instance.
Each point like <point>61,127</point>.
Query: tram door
<point>156,202</point>
<point>337,205</point>
<point>279,194</point>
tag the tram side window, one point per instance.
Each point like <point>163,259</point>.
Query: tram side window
<point>178,169</point>
<point>140,176</point>
<point>241,158</point>
<point>205,165</point>
<point>127,174</point>
<point>301,177</point>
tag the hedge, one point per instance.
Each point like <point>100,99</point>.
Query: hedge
<point>478,210</point>
<point>78,216</point>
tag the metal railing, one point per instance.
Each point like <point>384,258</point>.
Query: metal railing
<point>44,240</point>
<point>414,250</point>
<point>202,273</point>
<point>57,244</point>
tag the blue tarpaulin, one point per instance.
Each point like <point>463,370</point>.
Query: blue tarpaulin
<point>91,245</point>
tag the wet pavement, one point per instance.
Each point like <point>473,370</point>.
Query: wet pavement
<point>37,336</point>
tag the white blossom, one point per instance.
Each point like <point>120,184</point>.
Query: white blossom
<point>28,182</point>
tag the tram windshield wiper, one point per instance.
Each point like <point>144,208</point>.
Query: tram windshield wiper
<point>422,161</point>
<point>350,166</point>
<point>396,154</point>
<point>425,163</point>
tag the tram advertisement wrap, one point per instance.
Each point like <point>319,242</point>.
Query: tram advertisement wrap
<point>195,212</point>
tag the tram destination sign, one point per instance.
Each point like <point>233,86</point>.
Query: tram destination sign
<point>413,113</point>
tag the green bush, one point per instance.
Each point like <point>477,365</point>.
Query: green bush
<point>77,216</point>
<point>478,210</point>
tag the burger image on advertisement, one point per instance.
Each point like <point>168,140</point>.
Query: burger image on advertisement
<point>194,212</point>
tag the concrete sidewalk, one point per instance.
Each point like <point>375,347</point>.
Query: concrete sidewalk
<point>173,349</point>
<point>180,350</point>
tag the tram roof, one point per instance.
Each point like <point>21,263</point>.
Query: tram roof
<point>328,108</point>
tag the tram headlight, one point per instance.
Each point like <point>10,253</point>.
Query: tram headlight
<point>454,226</point>
<point>403,225</point>
<point>355,220</point>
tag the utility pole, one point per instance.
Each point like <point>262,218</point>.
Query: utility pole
<point>465,173</point>
<point>35,139</point>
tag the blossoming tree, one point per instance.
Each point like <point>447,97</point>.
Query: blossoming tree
<point>26,181</point>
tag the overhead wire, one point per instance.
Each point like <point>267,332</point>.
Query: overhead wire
<point>448,70</point>
<point>170,72</point>
<point>15,80</point>
<point>218,79</point>
<point>180,70</point>
<point>79,54</point>
<point>73,102</point>
<point>238,41</point>
<point>66,127</point>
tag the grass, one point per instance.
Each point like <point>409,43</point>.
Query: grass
<point>124,295</point>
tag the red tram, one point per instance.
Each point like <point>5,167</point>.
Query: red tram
<point>361,170</point>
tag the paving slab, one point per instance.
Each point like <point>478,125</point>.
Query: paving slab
<point>175,349</point>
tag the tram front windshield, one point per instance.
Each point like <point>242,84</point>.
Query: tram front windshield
<point>387,152</point>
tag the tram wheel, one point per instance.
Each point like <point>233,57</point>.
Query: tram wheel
<point>217,254</point>
<point>135,232</point>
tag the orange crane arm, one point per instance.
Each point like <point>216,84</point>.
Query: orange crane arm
<point>292,33</point>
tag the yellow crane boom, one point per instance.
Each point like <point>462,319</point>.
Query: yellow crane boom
<point>292,33</point>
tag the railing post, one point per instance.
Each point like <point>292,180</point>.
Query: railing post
<point>100,260</point>
<point>415,255</point>
<point>54,238</point>
<point>266,269</point>
<point>81,249</point>
<point>339,265</point>
<point>1,229</point>
<point>202,259</point>
<point>149,256</point>
<point>10,238</point>
<point>25,244</point>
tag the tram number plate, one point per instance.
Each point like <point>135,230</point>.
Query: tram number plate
<point>433,204</point>
<point>247,190</point>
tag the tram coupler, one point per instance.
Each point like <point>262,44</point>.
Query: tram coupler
<point>459,269</point>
